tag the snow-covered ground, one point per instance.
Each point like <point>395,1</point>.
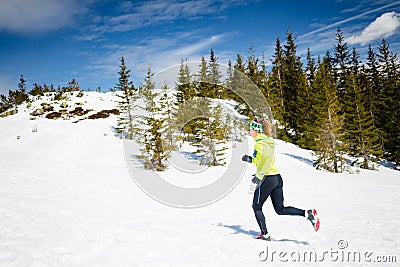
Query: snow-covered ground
<point>68,199</point>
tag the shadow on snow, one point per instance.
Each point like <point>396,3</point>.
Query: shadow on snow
<point>305,160</point>
<point>238,229</point>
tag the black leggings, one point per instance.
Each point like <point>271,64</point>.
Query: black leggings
<point>271,185</point>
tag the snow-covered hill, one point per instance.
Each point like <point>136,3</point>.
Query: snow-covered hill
<point>68,199</point>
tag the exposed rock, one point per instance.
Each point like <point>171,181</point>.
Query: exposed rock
<point>46,107</point>
<point>38,112</point>
<point>79,111</point>
<point>53,115</point>
<point>104,114</point>
<point>8,113</point>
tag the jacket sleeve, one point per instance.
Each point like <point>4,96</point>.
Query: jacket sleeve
<point>263,155</point>
<point>258,153</point>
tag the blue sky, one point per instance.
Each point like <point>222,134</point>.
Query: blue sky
<point>53,41</point>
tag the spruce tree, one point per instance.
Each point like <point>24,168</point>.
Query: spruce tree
<point>150,129</point>
<point>389,113</point>
<point>16,97</point>
<point>294,85</point>
<point>373,88</point>
<point>22,84</point>
<point>238,85</point>
<point>184,86</point>
<point>187,90</point>
<point>250,97</point>
<point>202,82</point>
<point>20,95</point>
<point>306,102</point>
<point>342,62</point>
<point>275,87</point>
<point>263,78</point>
<point>168,106</point>
<point>214,78</point>
<point>127,95</point>
<point>210,137</point>
<point>73,86</point>
<point>4,103</point>
<point>37,90</point>
<point>330,143</point>
<point>362,137</point>
<point>255,85</point>
<point>310,68</point>
<point>237,78</point>
<point>227,127</point>
<point>228,82</point>
<point>252,66</point>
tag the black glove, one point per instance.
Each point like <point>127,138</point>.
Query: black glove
<point>247,158</point>
<point>255,180</point>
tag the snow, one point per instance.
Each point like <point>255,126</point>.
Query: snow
<point>67,199</point>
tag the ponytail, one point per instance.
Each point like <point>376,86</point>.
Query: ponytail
<point>267,127</point>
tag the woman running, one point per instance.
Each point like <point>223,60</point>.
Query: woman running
<point>268,180</point>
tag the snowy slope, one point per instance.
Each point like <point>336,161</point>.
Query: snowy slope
<point>67,199</point>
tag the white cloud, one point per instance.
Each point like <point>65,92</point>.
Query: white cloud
<point>154,12</point>
<point>196,47</point>
<point>159,53</point>
<point>326,32</point>
<point>339,23</point>
<point>383,27</point>
<point>26,16</point>
<point>136,15</point>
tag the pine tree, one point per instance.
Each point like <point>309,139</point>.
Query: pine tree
<point>255,86</point>
<point>214,76</point>
<point>22,84</point>
<point>210,138</point>
<point>275,87</point>
<point>184,86</point>
<point>227,127</point>
<point>342,62</point>
<point>168,109</point>
<point>228,82</point>
<point>249,96</point>
<point>252,66</point>
<point>293,87</point>
<point>389,113</point>
<point>150,129</point>
<point>201,79</point>
<point>46,88</point>
<point>234,129</point>
<point>238,85</point>
<point>5,103</point>
<point>306,102</point>
<point>362,136</point>
<point>127,94</point>
<point>20,95</point>
<point>16,97</point>
<point>374,88</point>
<point>236,79</point>
<point>37,90</point>
<point>263,78</point>
<point>330,143</point>
<point>73,86</point>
